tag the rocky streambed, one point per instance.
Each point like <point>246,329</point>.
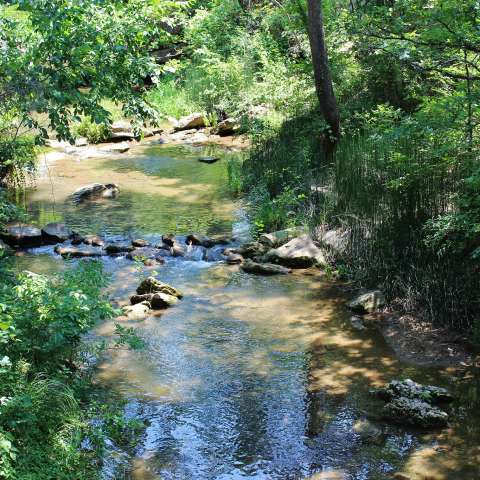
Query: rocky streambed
<point>253,366</point>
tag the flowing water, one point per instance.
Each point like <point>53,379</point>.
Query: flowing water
<point>248,377</point>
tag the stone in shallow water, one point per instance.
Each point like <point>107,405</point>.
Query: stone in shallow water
<point>21,235</point>
<point>152,285</point>
<point>56,233</point>
<point>250,266</point>
<point>415,412</point>
<point>94,240</point>
<point>208,159</point>
<point>140,243</point>
<point>79,252</point>
<point>138,311</point>
<point>157,300</point>
<point>118,248</point>
<point>410,389</point>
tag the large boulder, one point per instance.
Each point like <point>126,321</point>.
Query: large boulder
<point>79,252</point>
<point>277,239</point>
<point>56,233</point>
<point>249,266</point>
<point>207,242</point>
<point>415,412</point>
<point>22,235</point>
<point>193,121</point>
<point>301,252</point>
<point>336,240</point>
<point>121,130</point>
<point>157,301</point>
<point>367,302</point>
<point>95,190</point>
<point>152,285</point>
<point>250,250</point>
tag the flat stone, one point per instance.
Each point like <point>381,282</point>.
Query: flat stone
<point>249,266</point>
<point>118,248</point>
<point>208,159</point>
<point>140,243</point>
<point>116,147</point>
<point>56,233</point>
<point>157,300</point>
<point>367,302</point>
<point>22,235</point>
<point>301,252</point>
<point>152,285</point>
<point>79,252</point>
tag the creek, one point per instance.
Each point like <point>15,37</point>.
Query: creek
<point>247,377</point>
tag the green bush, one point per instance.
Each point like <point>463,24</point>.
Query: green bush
<point>93,132</point>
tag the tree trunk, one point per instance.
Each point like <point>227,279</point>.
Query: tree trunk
<point>323,78</point>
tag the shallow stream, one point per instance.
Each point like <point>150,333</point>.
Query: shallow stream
<point>248,377</point>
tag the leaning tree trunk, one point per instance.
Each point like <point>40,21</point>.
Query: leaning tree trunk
<point>323,78</point>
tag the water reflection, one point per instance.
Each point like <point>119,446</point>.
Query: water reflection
<point>247,376</point>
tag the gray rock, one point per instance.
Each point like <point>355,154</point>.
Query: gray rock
<point>145,254</point>
<point>79,252</point>
<point>95,190</point>
<point>178,251</point>
<point>138,311</point>
<point>157,301</point>
<point>234,259</point>
<point>251,250</point>
<point>277,239</point>
<point>193,121</point>
<point>415,412</point>
<point>367,302</point>
<point>56,233</point>
<point>140,243</point>
<point>301,252</point>
<point>410,389</point>
<point>249,266</point>
<point>122,147</point>
<point>94,240</point>
<point>152,285</point>
<point>119,248</point>
<point>336,240</point>
<point>22,235</point>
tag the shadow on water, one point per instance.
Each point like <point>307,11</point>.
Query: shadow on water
<point>246,377</point>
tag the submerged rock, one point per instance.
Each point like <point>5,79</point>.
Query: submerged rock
<point>415,412</point>
<point>79,252</point>
<point>56,233</point>
<point>367,302</point>
<point>152,285</point>
<point>368,432</point>
<point>157,300</point>
<point>250,266</point>
<point>301,252</point>
<point>22,235</point>
<point>145,253</point>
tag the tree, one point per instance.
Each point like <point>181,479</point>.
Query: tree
<point>323,78</point>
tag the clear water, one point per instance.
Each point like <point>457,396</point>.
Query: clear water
<point>248,377</point>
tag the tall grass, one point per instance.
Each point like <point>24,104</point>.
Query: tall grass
<point>383,190</point>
